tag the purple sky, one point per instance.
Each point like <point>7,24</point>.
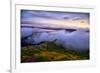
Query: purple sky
<point>79,39</point>
<point>54,19</point>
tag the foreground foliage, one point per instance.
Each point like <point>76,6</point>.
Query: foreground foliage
<point>49,51</point>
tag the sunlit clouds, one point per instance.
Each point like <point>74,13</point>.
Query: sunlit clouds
<point>68,29</point>
<point>67,20</point>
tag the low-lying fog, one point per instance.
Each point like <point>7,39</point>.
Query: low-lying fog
<point>77,40</point>
<point>56,26</point>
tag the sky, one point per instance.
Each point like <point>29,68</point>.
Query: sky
<point>55,19</point>
<point>45,23</point>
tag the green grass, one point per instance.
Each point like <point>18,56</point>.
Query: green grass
<point>48,51</point>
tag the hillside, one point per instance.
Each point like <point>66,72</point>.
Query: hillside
<point>49,51</point>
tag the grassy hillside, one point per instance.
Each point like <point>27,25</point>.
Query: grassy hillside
<point>48,51</point>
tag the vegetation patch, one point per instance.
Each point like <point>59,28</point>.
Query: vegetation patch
<point>49,51</point>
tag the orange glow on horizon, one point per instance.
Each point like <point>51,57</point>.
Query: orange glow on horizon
<point>60,23</point>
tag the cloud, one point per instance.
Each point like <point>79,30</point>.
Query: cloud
<point>76,40</point>
<point>53,14</point>
<point>54,19</point>
<point>25,32</point>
